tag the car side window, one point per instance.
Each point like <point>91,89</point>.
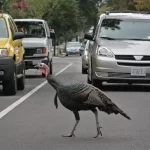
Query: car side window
<point>14,25</point>
<point>11,27</point>
<point>47,29</point>
<point>96,31</point>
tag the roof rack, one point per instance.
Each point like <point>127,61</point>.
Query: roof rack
<point>127,11</point>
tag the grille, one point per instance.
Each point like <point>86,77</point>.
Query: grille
<point>125,75</point>
<point>30,51</point>
<point>124,57</point>
<point>134,64</point>
<point>131,57</point>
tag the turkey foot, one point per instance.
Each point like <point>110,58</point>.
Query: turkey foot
<point>97,124</point>
<point>69,135</point>
<point>99,132</point>
<point>74,128</point>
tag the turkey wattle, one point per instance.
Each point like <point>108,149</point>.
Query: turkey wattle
<point>79,96</point>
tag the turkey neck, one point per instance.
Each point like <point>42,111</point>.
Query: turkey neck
<point>53,81</point>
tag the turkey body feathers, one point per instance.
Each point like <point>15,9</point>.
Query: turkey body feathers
<point>77,96</point>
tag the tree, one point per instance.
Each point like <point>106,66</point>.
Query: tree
<point>89,11</point>
<point>63,16</point>
<point>143,5</point>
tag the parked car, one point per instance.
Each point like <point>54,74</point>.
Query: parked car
<point>85,58</point>
<point>37,42</point>
<point>73,48</point>
<point>121,48</point>
<point>12,67</point>
<point>82,47</point>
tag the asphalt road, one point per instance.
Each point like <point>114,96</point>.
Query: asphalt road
<point>35,124</point>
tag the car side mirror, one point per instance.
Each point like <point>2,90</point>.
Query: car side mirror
<point>88,37</point>
<point>18,35</point>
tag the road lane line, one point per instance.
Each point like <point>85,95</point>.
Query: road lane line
<point>22,99</point>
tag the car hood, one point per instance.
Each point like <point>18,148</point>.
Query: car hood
<point>34,42</point>
<point>127,47</point>
<point>3,42</point>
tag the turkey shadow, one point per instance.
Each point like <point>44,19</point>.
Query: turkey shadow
<point>126,88</point>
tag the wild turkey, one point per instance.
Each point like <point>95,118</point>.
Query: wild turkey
<point>77,96</point>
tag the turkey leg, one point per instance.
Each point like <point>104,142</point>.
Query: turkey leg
<point>77,117</point>
<point>97,124</point>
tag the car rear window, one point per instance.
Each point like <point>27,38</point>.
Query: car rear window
<point>3,29</point>
<point>126,29</point>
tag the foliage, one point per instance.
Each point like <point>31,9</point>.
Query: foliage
<point>141,5</point>
<point>68,17</point>
<point>63,16</point>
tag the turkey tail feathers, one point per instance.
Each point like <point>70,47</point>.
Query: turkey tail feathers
<point>125,115</point>
<point>114,109</point>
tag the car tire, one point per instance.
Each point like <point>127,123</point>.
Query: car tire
<point>66,54</point>
<point>21,81</point>
<point>84,71</point>
<point>10,87</point>
<point>88,81</point>
<point>94,82</point>
<point>51,67</point>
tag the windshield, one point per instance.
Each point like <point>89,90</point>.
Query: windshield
<point>73,45</point>
<point>3,29</point>
<point>130,29</point>
<point>31,29</point>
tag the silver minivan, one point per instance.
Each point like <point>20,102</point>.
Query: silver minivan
<point>37,42</point>
<point>121,48</point>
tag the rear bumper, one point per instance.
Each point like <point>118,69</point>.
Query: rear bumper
<point>6,68</point>
<point>30,62</point>
<point>71,53</point>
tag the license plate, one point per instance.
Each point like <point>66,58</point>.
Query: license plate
<point>138,72</point>
<point>35,62</point>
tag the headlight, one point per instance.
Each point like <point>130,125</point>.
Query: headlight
<point>41,50</point>
<point>86,53</point>
<point>103,51</point>
<point>4,52</point>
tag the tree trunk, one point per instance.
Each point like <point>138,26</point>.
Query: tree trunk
<point>130,5</point>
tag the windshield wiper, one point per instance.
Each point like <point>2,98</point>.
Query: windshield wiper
<point>108,38</point>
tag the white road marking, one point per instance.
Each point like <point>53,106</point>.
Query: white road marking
<point>22,99</point>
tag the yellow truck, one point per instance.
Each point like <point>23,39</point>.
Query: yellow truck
<point>12,66</point>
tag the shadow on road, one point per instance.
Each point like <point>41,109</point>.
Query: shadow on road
<point>34,76</point>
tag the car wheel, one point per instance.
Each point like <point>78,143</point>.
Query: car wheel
<point>10,87</point>
<point>84,71</point>
<point>66,54</point>
<point>88,81</point>
<point>51,67</point>
<point>21,81</point>
<point>96,83</point>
